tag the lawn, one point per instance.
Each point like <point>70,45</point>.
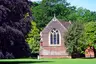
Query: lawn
<point>50,61</point>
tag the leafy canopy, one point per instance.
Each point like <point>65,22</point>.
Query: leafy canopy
<point>33,38</point>
<point>44,11</point>
<point>13,28</point>
<point>89,35</point>
<point>72,38</point>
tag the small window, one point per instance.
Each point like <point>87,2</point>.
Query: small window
<point>54,37</point>
<point>51,37</point>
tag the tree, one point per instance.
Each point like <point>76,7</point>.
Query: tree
<point>72,38</point>
<point>82,15</point>
<point>15,23</point>
<point>89,35</point>
<point>44,11</point>
<point>33,38</point>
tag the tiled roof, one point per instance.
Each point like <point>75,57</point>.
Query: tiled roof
<point>65,24</point>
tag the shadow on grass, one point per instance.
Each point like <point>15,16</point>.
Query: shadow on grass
<point>22,62</point>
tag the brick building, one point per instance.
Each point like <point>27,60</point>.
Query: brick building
<point>52,40</point>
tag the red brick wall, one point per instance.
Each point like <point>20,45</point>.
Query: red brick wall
<point>89,52</point>
<point>55,56</point>
<point>53,52</point>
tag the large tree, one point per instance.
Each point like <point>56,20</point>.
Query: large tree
<point>15,23</point>
<point>72,39</point>
<point>89,35</point>
<point>33,38</point>
<point>82,15</point>
<point>44,11</point>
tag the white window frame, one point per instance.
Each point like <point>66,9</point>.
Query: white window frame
<point>56,40</point>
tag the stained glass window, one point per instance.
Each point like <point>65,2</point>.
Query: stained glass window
<point>54,37</point>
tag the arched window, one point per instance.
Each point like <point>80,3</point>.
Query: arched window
<point>54,37</point>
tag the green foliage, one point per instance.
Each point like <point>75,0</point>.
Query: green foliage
<point>79,37</point>
<point>89,35</point>
<point>83,15</point>
<point>33,38</point>
<point>44,11</point>
<point>72,38</point>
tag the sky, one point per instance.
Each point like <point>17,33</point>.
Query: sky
<point>88,4</point>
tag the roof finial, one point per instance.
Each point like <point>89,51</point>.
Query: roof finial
<point>54,15</point>
<point>54,18</point>
<point>69,21</point>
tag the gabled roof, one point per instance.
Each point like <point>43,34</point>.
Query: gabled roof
<point>64,24</point>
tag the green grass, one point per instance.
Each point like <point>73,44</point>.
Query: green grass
<point>50,61</point>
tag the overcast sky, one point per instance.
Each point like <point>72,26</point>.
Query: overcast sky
<point>88,4</point>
